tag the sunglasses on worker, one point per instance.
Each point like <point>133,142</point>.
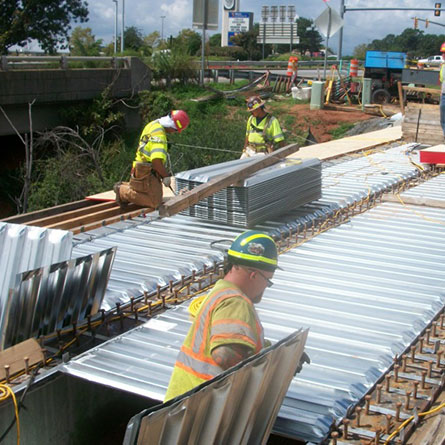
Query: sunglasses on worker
<point>268,280</point>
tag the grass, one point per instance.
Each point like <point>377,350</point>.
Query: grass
<point>341,130</point>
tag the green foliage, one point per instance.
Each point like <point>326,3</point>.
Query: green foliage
<point>341,130</point>
<point>133,38</point>
<point>248,41</point>
<point>215,40</point>
<point>187,41</point>
<point>154,104</point>
<point>175,64</point>
<point>310,38</point>
<point>412,41</point>
<point>47,21</point>
<point>360,51</point>
<point>83,43</point>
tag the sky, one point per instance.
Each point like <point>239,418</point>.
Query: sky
<point>360,26</point>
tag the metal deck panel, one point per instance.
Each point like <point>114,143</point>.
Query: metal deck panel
<point>365,289</point>
<point>26,247</point>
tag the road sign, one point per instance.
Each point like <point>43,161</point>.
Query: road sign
<point>212,9</point>
<point>281,33</point>
<point>329,22</point>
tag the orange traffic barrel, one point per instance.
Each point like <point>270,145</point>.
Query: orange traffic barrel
<point>292,66</point>
<point>353,70</point>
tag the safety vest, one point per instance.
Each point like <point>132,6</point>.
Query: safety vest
<point>152,144</point>
<point>226,316</point>
<point>441,77</point>
<point>261,134</point>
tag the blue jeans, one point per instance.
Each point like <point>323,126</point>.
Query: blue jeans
<point>442,112</point>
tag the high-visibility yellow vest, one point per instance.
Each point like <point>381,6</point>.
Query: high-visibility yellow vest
<point>261,133</point>
<point>152,144</point>
<point>226,316</point>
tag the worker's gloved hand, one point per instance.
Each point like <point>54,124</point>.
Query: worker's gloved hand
<point>167,181</point>
<point>304,359</point>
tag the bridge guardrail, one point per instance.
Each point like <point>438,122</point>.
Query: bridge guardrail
<point>8,62</point>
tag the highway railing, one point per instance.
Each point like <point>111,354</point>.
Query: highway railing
<point>63,62</point>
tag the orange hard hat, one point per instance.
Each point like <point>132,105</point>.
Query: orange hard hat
<point>181,119</point>
<point>442,48</point>
<point>254,102</point>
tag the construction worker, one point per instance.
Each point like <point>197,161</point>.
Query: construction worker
<point>263,133</point>
<point>149,171</point>
<point>227,328</point>
<point>442,96</point>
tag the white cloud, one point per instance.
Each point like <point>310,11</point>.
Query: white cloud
<point>360,26</point>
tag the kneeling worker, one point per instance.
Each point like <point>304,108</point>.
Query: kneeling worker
<point>263,133</point>
<point>149,172</point>
<point>227,329</point>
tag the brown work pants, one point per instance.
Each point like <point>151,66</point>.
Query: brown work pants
<point>144,188</point>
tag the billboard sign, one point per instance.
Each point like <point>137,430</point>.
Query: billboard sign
<point>239,22</point>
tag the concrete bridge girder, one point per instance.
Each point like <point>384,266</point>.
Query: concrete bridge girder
<point>52,89</point>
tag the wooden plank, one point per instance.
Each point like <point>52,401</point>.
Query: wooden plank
<point>401,99</point>
<point>104,196</point>
<point>178,203</point>
<point>25,217</point>
<point>418,201</point>
<point>351,144</point>
<point>52,221</point>
<point>91,217</point>
<point>422,90</point>
<point>14,357</point>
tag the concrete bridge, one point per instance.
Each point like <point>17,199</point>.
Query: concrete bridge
<point>51,83</point>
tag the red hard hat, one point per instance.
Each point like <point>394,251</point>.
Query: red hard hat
<point>442,48</point>
<point>181,119</point>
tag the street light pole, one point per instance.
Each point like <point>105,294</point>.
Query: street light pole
<point>123,26</point>
<point>340,36</point>
<point>115,26</point>
<point>162,27</point>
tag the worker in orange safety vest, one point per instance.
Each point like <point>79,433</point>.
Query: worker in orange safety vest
<point>149,171</point>
<point>227,329</point>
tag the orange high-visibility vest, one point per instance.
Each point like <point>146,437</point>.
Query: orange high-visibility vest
<point>226,316</point>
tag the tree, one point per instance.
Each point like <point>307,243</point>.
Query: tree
<point>360,51</point>
<point>133,38</point>
<point>215,40</point>
<point>83,43</point>
<point>248,41</point>
<point>189,41</point>
<point>310,38</point>
<point>47,21</point>
<point>152,39</point>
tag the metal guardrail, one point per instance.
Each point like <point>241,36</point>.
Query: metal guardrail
<point>8,62</point>
<point>278,64</point>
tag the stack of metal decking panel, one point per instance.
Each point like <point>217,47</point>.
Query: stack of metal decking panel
<point>269,192</point>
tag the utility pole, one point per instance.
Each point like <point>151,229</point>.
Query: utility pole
<point>115,26</point>
<point>162,27</point>
<point>203,43</point>
<point>340,36</point>
<point>123,26</point>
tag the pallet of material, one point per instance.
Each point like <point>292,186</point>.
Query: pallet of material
<point>422,124</point>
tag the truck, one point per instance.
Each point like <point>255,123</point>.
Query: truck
<point>386,68</point>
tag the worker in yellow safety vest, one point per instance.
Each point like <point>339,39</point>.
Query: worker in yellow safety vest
<point>227,329</point>
<point>263,133</point>
<point>149,171</point>
<point>442,96</point>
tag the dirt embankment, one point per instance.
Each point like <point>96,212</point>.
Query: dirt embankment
<point>323,122</point>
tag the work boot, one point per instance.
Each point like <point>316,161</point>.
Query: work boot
<point>122,204</point>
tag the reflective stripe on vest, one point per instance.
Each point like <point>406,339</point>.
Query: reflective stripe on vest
<point>192,359</point>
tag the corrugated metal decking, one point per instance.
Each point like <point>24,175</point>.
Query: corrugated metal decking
<point>237,407</point>
<point>25,247</point>
<point>365,290</point>
<point>267,193</point>
<point>55,296</point>
<point>155,251</point>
